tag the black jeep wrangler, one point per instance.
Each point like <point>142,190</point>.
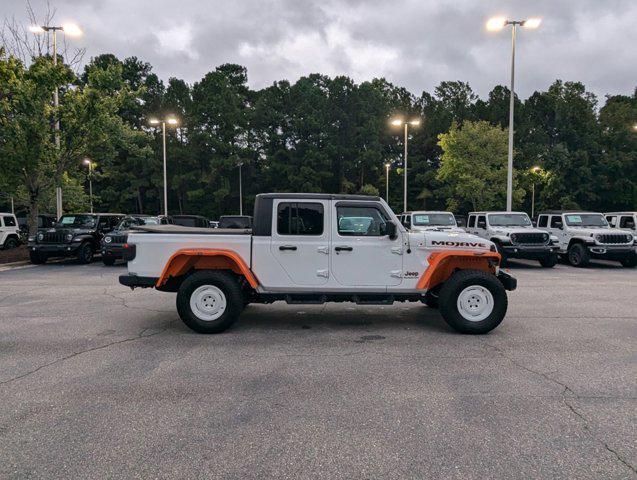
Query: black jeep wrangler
<point>75,235</point>
<point>113,242</point>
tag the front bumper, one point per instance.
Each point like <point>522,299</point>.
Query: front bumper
<point>112,251</point>
<point>611,252</point>
<point>55,249</point>
<point>528,251</point>
<point>508,282</point>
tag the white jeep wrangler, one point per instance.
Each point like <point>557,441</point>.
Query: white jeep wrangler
<point>427,221</point>
<point>585,235</point>
<point>315,248</point>
<point>623,220</point>
<point>9,231</point>
<point>514,236</point>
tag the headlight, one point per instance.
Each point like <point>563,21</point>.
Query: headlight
<point>108,239</point>
<point>69,237</point>
<point>40,237</point>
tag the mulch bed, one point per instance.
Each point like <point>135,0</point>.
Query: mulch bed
<point>14,255</point>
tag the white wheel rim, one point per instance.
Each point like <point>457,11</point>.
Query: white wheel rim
<point>475,303</point>
<point>208,303</point>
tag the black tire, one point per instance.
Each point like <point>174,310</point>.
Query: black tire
<point>578,255</point>
<point>37,258</point>
<point>85,253</point>
<point>629,262</point>
<point>452,289</point>
<point>549,261</point>
<point>432,298</point>
<point>504,260</point>
<point>224,281</point>
<point>10,243</point>
<point>108,261</point>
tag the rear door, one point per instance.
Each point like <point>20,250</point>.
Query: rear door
<point>361,253</point>
<point>301,240</point>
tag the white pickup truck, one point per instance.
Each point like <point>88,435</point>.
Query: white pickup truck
<point>315,248</point>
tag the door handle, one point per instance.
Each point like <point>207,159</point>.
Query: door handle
<point>287,247</point>
<point>342,248</point>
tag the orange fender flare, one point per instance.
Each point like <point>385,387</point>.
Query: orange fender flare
<point>203,259</point>
<point>443,264</point>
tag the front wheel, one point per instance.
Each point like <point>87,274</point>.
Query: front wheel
<point>578,255</point>
<point>10,243</point>
<point>473,301</point>
<point>549,261</point>
<point>85,253</point>
<point>209,301</point>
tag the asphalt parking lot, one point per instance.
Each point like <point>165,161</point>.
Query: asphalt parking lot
<point>97,381</point>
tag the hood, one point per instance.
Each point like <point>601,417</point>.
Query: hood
<point>587,231</point>
<point>510,230</point>
<point>460,240</point>
<point>65,230</point>
<point>435,228</point>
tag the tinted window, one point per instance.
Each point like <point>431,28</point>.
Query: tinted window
<point>612,220</point>
<point>360,221</point>
<point>509,220</point>
<point>407,222</point>
<point>300,219</point>
<point>543,221</point>
<point>556,221</point>
<point>9,222</point>
<point>472,221</point>
<point>434,219</point>
<point>482,219</point>
<point>627,222</point>
<point>78,221</point>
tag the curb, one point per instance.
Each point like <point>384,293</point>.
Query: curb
<point>15,265</point>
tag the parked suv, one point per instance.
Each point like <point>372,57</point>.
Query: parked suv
<point>585,235</point>
<point>423,221</point>
<point>44,221</point>
<point>113,242</point>
<point>191,221</point>
<point>74,235</point>
<point>235,221</point>
<point>9,231</point>
<point>514,236</point>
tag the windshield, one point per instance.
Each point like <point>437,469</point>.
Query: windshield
<point>128,222</point>
<point>77,221</point>
<point>509,220</point>
<point>433,220</point>
<point>586,220</point>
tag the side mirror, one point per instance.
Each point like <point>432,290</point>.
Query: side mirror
<point>390,230</point>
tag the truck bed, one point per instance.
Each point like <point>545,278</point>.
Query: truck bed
<point>179,229</point>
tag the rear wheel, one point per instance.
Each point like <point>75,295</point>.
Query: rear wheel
<point>85,253</point>
<point>108,261</point>
<point>629,262</point>
<point>549,261</point>
<point>10,243</point>
<point>473,301</point>
<point>37,258</point>
<point>578,255</point>
<point>209,301</point>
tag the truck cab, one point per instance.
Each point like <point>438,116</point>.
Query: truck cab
<point>316,248</point>
<point>583,236</point>
<point>514,236</point>
<point>425,220</point>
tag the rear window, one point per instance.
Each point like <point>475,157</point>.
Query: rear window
<point>300,219</point>
<point>543,221</point>
<point>472,221</point>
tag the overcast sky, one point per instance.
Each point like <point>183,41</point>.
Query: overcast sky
<point>413,43</point>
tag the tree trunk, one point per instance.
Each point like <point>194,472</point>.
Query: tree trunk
<point>140,201</point>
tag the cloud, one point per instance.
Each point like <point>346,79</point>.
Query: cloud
<point>413,43</point>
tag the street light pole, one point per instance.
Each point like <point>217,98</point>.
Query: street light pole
<point>497,24</point>
<point>90,181</point>
<point>171,121</point>
<point>387,182</point>
<point>405,179</point>
<point>534,170</point>
<point>73,30</point>
<point>398,122</point>
<point>240,191</point>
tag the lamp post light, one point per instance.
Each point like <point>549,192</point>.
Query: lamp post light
<point>74,31</point>
<point>398,122</point>
<point>387,165</point>
<point>170,120</point>
<point>87,161</point>
<point>495,24</point>
<point>534,170</point>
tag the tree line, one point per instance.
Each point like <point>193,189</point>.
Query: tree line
<point>318,134</point>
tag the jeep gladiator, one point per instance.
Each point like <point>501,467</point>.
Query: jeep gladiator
<point>315,248</point>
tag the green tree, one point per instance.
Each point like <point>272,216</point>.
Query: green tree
<point>473,164</point>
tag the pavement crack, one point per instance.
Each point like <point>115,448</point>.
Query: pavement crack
<point>126,305</point>
<point>140,335</point>
<point>568,394</point>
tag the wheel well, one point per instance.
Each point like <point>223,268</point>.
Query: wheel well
<point>573,241</point>
<point>443,264</point>
<point>184,262</point>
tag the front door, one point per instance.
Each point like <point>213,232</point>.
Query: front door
<point>361,253</point>
<point>301,240</point>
